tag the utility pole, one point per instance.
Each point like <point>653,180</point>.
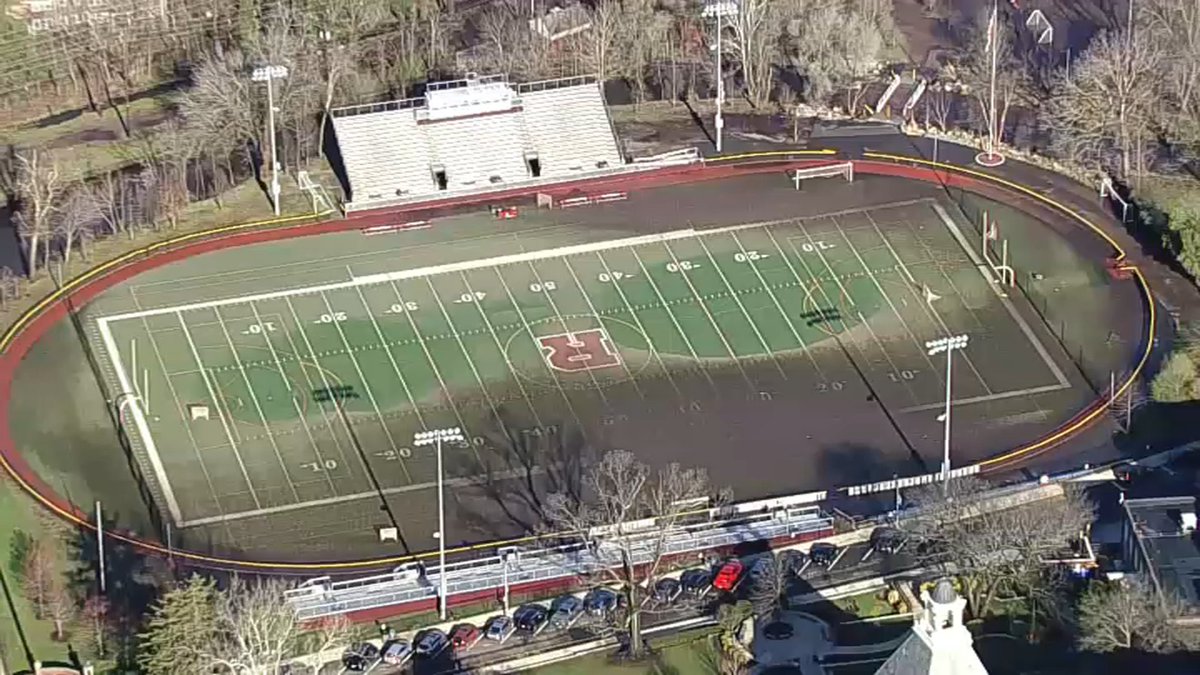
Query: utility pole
<point>719,9</point>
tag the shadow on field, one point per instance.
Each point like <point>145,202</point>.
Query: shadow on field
<point>514,471</point>
<point>854,464</point>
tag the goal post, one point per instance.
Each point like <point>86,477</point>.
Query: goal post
<point>845,169</point>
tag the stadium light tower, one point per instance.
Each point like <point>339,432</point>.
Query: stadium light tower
<point>719,9</point>
<point>436,437</point>
<point>268,74</point>
<point>947,344</point>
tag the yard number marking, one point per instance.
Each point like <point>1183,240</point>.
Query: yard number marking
<point>391,455</point>
<point>543,287</point>
<point>749,256</point>
<point>682,266</point>
<point>259,328</point>
<point>609,277</point>
<point>474,296</point>
<point>317,467</point>
<point>903,375</point>
<point>332,317</point>
<point>836,385</point>
<point>402,307</point>
<point>817,245</point>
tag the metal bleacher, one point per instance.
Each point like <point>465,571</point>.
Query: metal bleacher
<point>569,127</point>
<point>475,134</point>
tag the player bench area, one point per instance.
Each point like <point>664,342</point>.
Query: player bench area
<point>314,394</point>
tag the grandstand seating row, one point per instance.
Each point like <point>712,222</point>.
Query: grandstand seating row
<point>404,154</point>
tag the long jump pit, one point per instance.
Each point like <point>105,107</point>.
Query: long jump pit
<point>267,395</point>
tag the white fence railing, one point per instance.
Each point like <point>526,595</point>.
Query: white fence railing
<point>325,597</point>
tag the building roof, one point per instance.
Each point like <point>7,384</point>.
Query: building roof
<point>918,656</point>
<point>943,592</point>
<point>1171,548</point>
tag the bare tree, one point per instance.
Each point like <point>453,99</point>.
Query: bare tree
<point>60,605</point>
<point>39,187</point>
<point>328,633</point>
<point>625,507</point>
<point>1130,614</point>
<point>998,546</point>
<point>754,46</point>
<point>768,588</point>
<point>1014,85</point>
<point>1175,25</point>
<point>256,630</point>
<point>599,45</point>
<point>78,214</point>
<point>106,195</point>
<point>38,575</point>
<point>836,48</point>
<point>1103,113</point>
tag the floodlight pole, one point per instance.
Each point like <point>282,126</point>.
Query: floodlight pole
<point>992,130</point>
<point>718,9</point>
<point>437,437</point>
<point>948,345</point>
<point>267,74</point>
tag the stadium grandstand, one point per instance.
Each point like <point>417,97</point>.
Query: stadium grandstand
<point>473,135</point>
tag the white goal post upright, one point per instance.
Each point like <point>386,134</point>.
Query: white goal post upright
<point>1008,277</point>
<point>1109,191</point>
<point>824,171</point>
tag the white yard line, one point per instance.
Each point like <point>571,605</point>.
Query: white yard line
<point>503,353</point>
<point>326,384</point>
<point>750,320</point>
<point>778,306</point>
<point>462,347</point>
<point>257,405</point>
<point>927,307</point>
<point>295,405</point>
<point>139,419</point>
<point>986,271</point>
<point>220,415</point>
<point>671,315</point>
<point>917,343</point>
<point>554,374</point>
<point>700,301</point>
<point>638,322</point>
<point>362,376</point>
<point>327,501</point>
<point>563,322</point>
<point>182,410</point>
<point>592,308</point>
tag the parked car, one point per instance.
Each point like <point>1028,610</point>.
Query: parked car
<point>360,656</point>
<point>763,566</point>
<point>464,636</point>
<point>666,590</point>
<point>599,602</point>
<point>565,611</point>
<point>696,582</point>
<point>728,576</point>
<point>530,618</point>
<point>823,554</point>
<point>793,562</point>
<point>397,652</point>
<point>887,540</point>
<point>431,642</point>
<point>499,629</point>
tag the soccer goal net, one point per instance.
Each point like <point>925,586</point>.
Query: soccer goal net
<point>845,169</point>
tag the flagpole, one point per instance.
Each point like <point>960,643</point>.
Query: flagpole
<point>991,157</point>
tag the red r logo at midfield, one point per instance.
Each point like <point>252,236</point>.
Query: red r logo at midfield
<point>581,350</point>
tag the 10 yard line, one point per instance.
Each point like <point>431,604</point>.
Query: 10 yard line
<point>257,406</point>
<point>295,405</point>
<point>220,414</point>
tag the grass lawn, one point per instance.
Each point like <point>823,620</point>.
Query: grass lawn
<point>17,512</point>
<point>690,654</point>
<point>865,605</point>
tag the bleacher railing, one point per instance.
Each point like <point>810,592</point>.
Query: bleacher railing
<point>556,83</point>
<point>366,108</point>
<point>323,596</point>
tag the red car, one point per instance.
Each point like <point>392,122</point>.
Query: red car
<point>505,212</point>
<point>464,636</point>
<point>728,576</point>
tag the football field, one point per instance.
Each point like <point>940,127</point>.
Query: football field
<point>290,399</point>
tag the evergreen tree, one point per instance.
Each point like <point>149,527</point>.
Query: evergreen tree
<point>180,630</point>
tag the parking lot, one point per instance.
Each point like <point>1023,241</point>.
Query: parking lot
<point>671,599</point>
